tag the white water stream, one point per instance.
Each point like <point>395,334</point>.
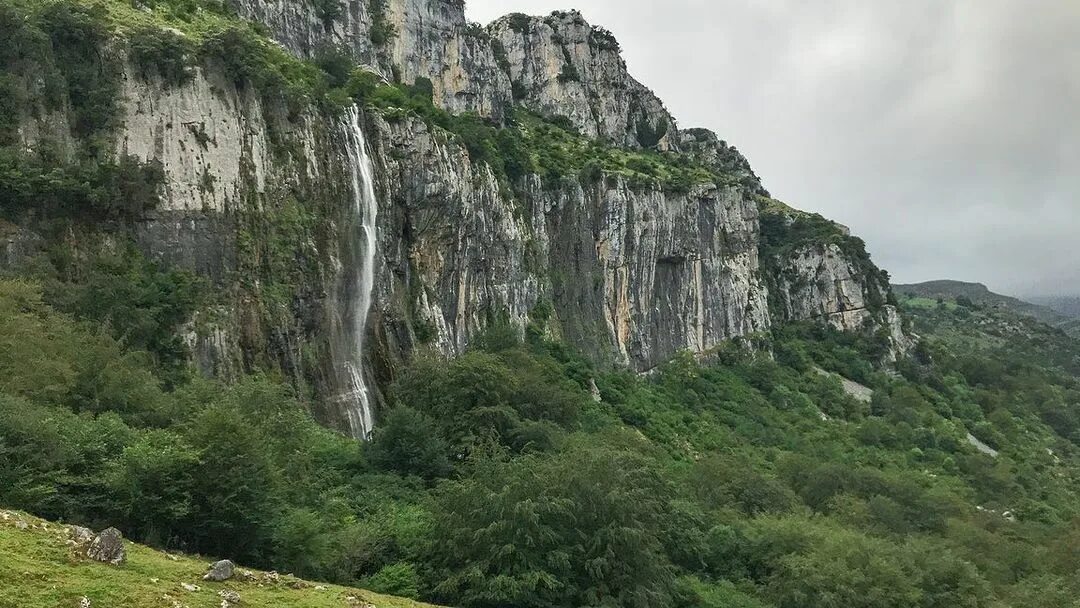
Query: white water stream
<point>358,403</point>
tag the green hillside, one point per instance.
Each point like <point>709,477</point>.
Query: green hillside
<point>978,293</point>
<point>39,570</point>
<point>740,479</point>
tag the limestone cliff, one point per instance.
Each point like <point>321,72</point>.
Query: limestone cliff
<point>403,39</point>
<point>256,198</point>
<point>818,271</point>
<point>561,65</point>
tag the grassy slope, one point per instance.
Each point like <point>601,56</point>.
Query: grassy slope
<point>38,570</point>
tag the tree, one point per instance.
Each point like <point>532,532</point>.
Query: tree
<point>151,485</point>
<point>578,528</point>
<point>407,442</point>
<point>236,486</point>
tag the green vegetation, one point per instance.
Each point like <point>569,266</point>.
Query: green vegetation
<point>604,40</point>
<point>148,578</point>
<point>519,22</point>
<point>495,478</point>
<point>162,52</point>
<point>328,11</point>
<point>531,144</point>
<point>56,54</point>
<point>648,135</point>
<point>40,186</point>
<point>569,73</point>
<point>381,31</point>
<point>1017,364</point>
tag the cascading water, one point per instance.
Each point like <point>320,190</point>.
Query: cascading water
<point>358,402</point>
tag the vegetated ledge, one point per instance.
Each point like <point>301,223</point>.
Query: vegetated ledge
<point>39,570</point>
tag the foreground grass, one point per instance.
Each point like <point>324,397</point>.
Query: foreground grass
<point>39,570</point>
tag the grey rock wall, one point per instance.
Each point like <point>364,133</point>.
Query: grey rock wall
<point>561,65</point>
<point>258,202</point>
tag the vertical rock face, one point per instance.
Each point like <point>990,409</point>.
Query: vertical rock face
<point>653,273</point>
<point>403,39</point>
<point>556,65</point>
<point>432,40</point>
<point>561,65</point>
<point>304,28</point>
<point>633,276</point>
<point>820,282</point>
<point>257,199</point>
<point>211,139</point>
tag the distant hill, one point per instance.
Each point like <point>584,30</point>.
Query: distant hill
<point>1053,315</point>
<point>1066,305</point>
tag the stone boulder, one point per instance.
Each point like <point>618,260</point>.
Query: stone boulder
<point>220,571</point>
<point>81,535</point>
<point>108,547</point>
<point>80,540</point>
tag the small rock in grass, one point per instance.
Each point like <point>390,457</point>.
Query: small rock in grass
<point>220,571</point>
<point>84,602</point>
<point>295,583</point>
<point>320,588</point>
<point>81,535</point>
<point>108,547</point>
<point>22,525</point>
<point>189,587</point>
<point>229,598</point>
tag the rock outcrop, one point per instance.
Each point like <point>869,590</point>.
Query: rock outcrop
<point>562,66</point>
<point>108,547</point>
<point>17,245</point>
<point>402,39</point>
<point>220,571</point>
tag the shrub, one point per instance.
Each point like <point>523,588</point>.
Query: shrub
<point>336,63</point>
<point>90,190</point>
<point>91,74</point>
<point>519,22</point>
<point>382,31</point>
<point>602,39</point>
<point>569,73</point>
<point>162,52</point>
<point>399,579</point>
<point>649,136</point>
<point>407,442</point>
<point>328,11</point>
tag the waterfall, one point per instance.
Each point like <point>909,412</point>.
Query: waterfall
<point>365,207</point>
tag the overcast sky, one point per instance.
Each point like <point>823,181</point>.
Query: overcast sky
<point>944,132</point>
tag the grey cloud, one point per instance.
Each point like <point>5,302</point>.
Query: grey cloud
<point>944,132</point>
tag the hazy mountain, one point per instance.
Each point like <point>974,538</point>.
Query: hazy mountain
<point>1066,305</point>
<point>1052,311</point>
